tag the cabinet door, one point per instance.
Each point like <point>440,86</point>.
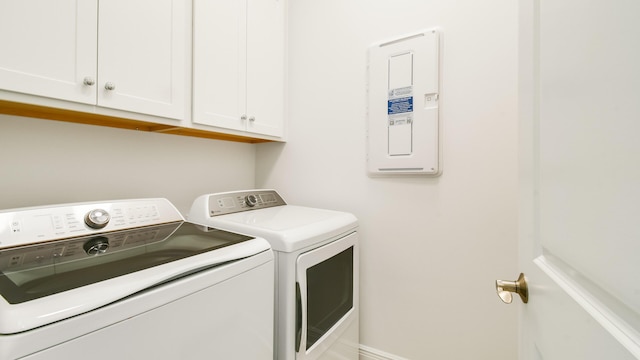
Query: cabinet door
<point>49,48</point>
<point>265,66</point>
<point>142,55</point>
<point>219,63</point>
<point>239,65</point>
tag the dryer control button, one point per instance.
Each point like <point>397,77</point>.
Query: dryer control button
<point>251,200</point>
<point>97,218</point>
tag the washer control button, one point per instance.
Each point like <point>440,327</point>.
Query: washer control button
<point>251,200</point>
<point>96,246</point>
<point>97,218</point>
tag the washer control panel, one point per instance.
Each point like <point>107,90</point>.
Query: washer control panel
<point>40,224</point>
<point>64,252</point>
<point>237,201</point>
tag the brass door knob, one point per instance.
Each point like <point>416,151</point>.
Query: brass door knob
<point>506,288</point>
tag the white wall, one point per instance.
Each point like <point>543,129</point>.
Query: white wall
<point>48,162</point>
<point>431,247</point>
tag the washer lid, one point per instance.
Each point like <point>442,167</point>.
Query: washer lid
<point>51,281</point>
<point>288,228</point>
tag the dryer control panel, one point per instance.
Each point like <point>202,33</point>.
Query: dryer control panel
<point>235,201</point>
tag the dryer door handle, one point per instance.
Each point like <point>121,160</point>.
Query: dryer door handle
<point>298,317</point>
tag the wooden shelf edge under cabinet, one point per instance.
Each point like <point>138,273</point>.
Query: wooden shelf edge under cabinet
<point>49,113</point>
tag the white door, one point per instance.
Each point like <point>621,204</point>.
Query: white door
<point>239,64</point>
<point>328,301</point>
<point>142,56</point>
<point>265,66</point>
<point>48,48</point>
<point>580,179</point>
<point>219,63</point>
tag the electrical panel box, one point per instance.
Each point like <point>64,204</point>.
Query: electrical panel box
<point>403,94</point>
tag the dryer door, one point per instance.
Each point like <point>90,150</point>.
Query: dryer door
<point>327,295</point>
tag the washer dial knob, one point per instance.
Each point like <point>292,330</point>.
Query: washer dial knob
<point>97,218</point>
<point>251,200</point>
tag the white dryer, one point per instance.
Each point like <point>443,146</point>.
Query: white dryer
<point>317,269</point>
<point>130,279</point>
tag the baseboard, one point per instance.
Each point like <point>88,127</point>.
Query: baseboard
<point>368,353</point>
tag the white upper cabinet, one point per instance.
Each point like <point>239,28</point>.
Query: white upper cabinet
<point>49,48</point>
<point>142,56</point>
<point>265,66</point>
<point>128,55</point>
<point>239,51</point>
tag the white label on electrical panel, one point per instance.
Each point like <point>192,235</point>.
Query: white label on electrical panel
<point>400,118</point>
<point>400,100</point>
<point>400,104</point>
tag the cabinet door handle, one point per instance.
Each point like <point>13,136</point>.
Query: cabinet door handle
<point>89,81</point>
<point>252,118</point>
<point>243,117</point>
<point>110,86</point>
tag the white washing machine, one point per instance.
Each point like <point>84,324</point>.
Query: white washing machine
<point>130,279</point>
<point>317,269</point>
